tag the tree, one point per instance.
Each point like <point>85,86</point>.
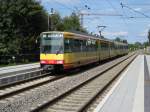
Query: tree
<point>138,44</point>
<point>145,44</point>
<point>55,22</point>
<point>65,24</point>
<point>72,22</point>
<point>118,39</point>
<point>21,21</point>
<point>149,36</point>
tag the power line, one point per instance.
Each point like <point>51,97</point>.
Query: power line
<point>141,4</point>
<point>134,17</point>
<point>64,5</point>
<point>111,5</point>
<point>101,14</point>
<point>125,16</point>
<point>124,21</point>
<point>123,5</point>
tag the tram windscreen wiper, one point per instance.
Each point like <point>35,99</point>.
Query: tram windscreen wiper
<point>59,50</point>
<point>45,49</point>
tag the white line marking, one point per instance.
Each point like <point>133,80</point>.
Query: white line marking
<point>100,105</point>
<point>138,103</point>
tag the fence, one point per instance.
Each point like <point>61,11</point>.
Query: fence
<point>21,58</point>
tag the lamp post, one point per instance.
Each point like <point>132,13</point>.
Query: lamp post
<point>48,21</point>
<point>51,13</point>
<point>81,14</point>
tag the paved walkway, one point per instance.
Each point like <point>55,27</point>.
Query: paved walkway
<point>127,95</point>
<point>11,70</point>
<point>147,85</point>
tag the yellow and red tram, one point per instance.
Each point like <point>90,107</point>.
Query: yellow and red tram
<point>65,50</point>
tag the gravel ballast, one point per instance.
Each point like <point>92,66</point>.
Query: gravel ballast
<point>28,100</point>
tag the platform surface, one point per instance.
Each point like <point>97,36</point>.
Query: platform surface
<point>147,85</point>
<point>11,70</point>
<point>127,95</point>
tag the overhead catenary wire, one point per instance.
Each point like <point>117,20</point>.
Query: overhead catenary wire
<point>92,5</point>
<point>123,5</point>
<point>63,5</point>
<point>123,15</point>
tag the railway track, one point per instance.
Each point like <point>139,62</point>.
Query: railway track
<point>78,99</point>
<point>49,91</point>
<point>18,88</point>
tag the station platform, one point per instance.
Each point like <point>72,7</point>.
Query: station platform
<point>147,84</point>
<point>11,70</point>
<point>131,92</point>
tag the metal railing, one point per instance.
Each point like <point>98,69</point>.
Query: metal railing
<point>20,58</point>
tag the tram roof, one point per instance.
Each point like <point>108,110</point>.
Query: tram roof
<point>81,34</point>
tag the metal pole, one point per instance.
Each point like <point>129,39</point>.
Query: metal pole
<point>100,33</point>
<point>100,30</point>
<point>52,12</point>
<point>51,23</point>
<point>48,22</point>
<point>81,20</point>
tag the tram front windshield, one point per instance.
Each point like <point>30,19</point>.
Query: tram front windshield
<point>52,43</point>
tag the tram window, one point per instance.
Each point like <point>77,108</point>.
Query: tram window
<point>96,45</point>
<point>74,45</point>
<point>111,46</point>
<point>67,47</point>
<point>117,47</point>
<point>82,45</point>
<point>70,45</point>
<point>91,45</point>
<point>104,46</point>
<point>88,45</point>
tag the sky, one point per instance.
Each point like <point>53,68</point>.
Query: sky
<point>131,23</point>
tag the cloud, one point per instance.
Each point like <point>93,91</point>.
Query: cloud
<point>65,2</point>
<point>148,26</point>
<point>138,9</point>
<point>144,33</point>
<point>120,33</point>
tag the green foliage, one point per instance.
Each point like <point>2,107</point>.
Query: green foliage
<point>132,47</point>
<point>138,45</point>
<point>55,21</point>
<point>21,21</point>
<point>145,44</point>
<point>149,36</point>
<point>71,22</point>
<point>118,39</point>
